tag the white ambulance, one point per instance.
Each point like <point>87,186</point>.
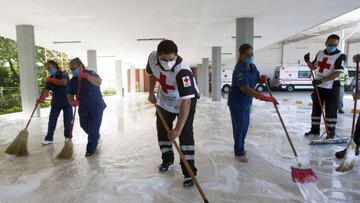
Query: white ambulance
<point>291,78</point>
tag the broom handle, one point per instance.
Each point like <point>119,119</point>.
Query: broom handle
<point>282,122</point>
<point>319,100</point>
<point>36,105</point>
<point>74,114</point>
<point>182,157</point>
<point>356,94</point>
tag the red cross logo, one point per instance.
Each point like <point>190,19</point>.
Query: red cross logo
<point>186,80</point>
<point>323,65</point>
<point>165,87</point>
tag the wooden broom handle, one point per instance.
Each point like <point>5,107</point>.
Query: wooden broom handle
<point>182,157</point>
<point>36,105</point>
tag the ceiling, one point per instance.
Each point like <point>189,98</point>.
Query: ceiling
<point>112,26</point>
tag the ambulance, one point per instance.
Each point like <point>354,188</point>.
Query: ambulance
<point>291,78</point>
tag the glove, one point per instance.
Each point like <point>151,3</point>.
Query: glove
<point>316,82</point>
<point>263,79</point>
<point>84,75</point>
<point>75,103</point>
<point>41,99</point>
<point>307,57</point>
<point>51,80</point>
<point>262,97</point>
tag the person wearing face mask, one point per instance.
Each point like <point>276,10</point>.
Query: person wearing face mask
<point>56,83</point>
<point>176,97</point>
<point>90,102</point>
<point>244,79</point>
<point>328,65</point>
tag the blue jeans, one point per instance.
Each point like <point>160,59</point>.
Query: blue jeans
<point>240,122</point>
<point>90,122</point>
<point>54,114</point>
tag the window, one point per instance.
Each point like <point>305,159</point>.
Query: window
<point>304,74</point>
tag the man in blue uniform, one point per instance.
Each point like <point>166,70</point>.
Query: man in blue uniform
<point>57,83</point>
<point>244,79</point>
<point>90,101</point>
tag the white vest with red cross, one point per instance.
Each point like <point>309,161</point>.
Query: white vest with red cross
<point>168,96</point>
<point>325,66</point>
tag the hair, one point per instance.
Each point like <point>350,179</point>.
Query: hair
<point>167,47</point>
<point>242,49</point>
<point>333,36</point>
<point>53,63</point>
<point>76,61</point>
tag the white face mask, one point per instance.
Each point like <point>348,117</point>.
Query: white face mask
<point>167,65</point>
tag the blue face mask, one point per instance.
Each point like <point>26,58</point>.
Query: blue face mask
<point>75,72</point>
<point>52,71</point>
<point>330,49</point>
<point>250,60</point>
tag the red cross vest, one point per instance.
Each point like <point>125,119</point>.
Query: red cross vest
<point>168,96</point>
<point>325,65</point>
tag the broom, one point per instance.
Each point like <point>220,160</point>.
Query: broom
<point>348,163</point>
<point>299,174</point>
<point>68,149</point>
<point>182,157</point>
<point>19,146</point>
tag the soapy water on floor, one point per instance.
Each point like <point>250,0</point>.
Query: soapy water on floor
<point>125,167</point>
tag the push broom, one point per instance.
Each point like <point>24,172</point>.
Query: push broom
<point>349,161</point>
<point>19,146</point>
<point>182,157</point>
<point>299,173</point>
<point>68,149</point>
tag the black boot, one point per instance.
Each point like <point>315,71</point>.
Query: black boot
<point>330,135</point>
<point>313,133</point>
<point>165,166</point>
<point>188,182</point>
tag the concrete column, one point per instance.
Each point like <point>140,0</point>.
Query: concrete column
<point>205,77</point>
<point>199,77</point>
<point>244,33</point>
<point>216,74</point>
<point>92,60</point>
<point>28,73</point>
<point>119,78</point>
<point>141,80</point>
<point>133,79</point>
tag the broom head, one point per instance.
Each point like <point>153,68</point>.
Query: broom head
<point>303,175</point>
<point>67,151</point>
<point>19,146</point>
<point>349,161</point>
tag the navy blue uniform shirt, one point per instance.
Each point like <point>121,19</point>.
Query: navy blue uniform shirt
<point>59,92</point>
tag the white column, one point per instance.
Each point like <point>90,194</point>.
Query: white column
<point>28,73</point>
<point>141,80</point>
<point>119,78</point>
<point>244,33</point>
<point>205,78</point>
<point>216,74</point>
<point>199,77</point>
<point>92,60</point>
<point>133,79</point>
<point>342,41</point>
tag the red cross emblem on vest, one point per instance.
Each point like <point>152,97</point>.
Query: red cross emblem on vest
<point>165,87</point>
<point>323,65</point>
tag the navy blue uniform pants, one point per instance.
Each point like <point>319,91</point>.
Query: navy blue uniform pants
<point>54,114</point>
<point>240,121</point>
<point>90,122</point>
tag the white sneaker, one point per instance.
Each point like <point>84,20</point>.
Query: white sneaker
<point>45,142</point>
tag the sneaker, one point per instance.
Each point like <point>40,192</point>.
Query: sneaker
<point>165,166</point>
<point>312,133</point>
<point>46,142</point>
<point>341,111</point>
<point>242,158</point>
<point>188,182</point>
<point>330,135</point>
<point>88,154</point>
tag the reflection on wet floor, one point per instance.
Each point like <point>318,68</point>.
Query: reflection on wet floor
<point>125,166</point>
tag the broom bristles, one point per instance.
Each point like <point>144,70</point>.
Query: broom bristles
<point>67,151</point>
<point>348,163</point>
<point>303,175</point>
<point>19,146</point>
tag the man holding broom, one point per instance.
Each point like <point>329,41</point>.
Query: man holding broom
<point>176,98</point>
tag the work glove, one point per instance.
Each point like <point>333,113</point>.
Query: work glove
<point>263,79</point>
<point>41,99</point>
<point>84,75</point>
<point>75,103</point>
<point>316,82</point>
<point>265,98</point>
<point>307,57</point>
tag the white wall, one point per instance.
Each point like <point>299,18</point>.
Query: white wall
<point>353,49</point>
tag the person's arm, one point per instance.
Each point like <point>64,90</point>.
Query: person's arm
<point>310,64</point>
<point>71,95</point>
<point>332,76</point>
<point>42,97</point>
<point>249,91</point>
<point>182,118</point>
<point>93,78</point>
<point>152,83</point>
